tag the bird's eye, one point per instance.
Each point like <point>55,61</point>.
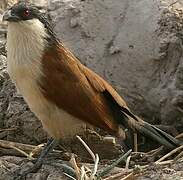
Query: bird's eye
<point>26,12</point>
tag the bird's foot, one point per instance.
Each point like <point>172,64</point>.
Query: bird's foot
<point>19,175</point>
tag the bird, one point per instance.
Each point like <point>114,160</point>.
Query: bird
<point>64,94</point>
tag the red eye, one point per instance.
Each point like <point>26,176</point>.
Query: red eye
<point>26,12</point>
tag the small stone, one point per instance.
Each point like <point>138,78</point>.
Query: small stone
<point>73,22</point>
<point>114,50</point>
<point>110,139</point>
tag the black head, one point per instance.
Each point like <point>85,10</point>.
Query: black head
<point>22,11</point>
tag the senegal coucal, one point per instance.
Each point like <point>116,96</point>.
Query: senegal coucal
<point>63,93</point>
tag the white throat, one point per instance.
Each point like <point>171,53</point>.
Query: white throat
<point>25,44</point>
<point>25,47</point>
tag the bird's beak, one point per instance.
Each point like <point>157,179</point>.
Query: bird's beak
<point>7,16</point>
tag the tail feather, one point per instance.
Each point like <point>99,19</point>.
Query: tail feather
<point>150,131</point>
<point>168,137</point>
<point>129,120</point>
<point>157,134</point>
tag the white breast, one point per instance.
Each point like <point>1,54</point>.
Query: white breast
<point>25,45</point>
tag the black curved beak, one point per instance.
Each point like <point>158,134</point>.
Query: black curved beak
<point>7,16</point>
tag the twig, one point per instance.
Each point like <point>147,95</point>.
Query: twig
<point>23,147</point>
<point>127,162</point>
<point>83,172</point>
<point>6,147</point>
<point>36,150</point>
<point>22,152</point>
<point>170,153</point>
<point>95,166</point>
<point>95,159</point>
<point>155,151</point>
<point>178,156</point>
<point>129,176</point>
<point>165,162</point>
<point>87,148</point>
<point>69,176</point>
<point>110,167</point>
<point>157,163</point>
<point>9,129</point>
<point>74,165</point>
<point>179,136</point>
<point>115,176</point>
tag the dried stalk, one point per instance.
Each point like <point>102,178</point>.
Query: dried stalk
<point>170,153</point>
<point>87,148</point>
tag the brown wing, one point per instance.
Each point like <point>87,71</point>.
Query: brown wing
<point>77,90</point>
<point>124,116</point>
<point>100,85</point>
<point>81,92</point>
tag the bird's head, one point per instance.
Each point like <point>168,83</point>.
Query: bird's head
<point>21,11</point>
<point>27,17</point>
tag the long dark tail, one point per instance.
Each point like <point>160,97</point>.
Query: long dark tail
<point>130,121</point>
<point>149,130</point>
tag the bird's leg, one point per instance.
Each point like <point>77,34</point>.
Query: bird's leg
<point>48,148</point>
<point>51,143</point>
